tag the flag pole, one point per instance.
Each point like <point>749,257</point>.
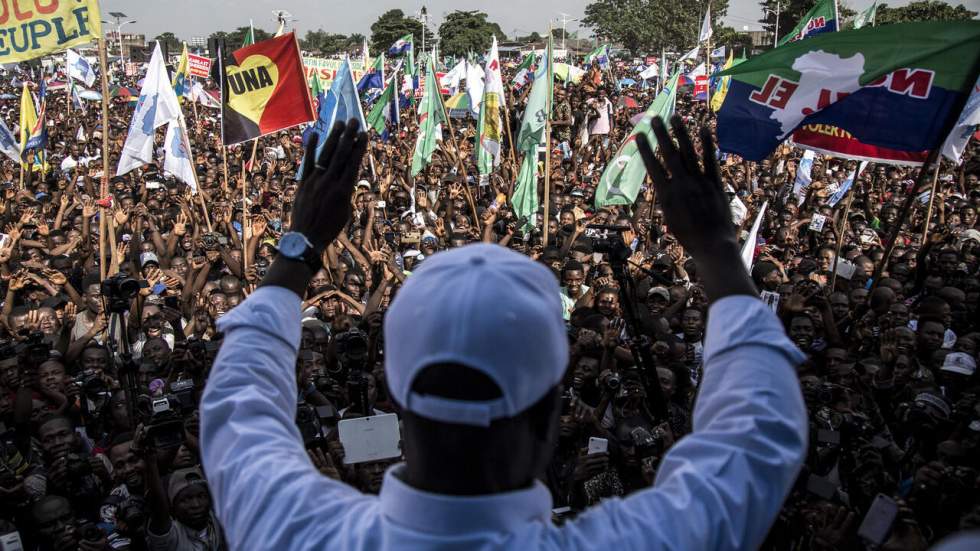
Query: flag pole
<point>459,161</point>
<point>840,236</point>
<point>510,138</point>
<point>549,74</point>
<point>103,185</point>
<point>932,199</point>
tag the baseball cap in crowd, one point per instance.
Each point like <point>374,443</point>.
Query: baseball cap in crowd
<point>578,192</point>
<point>486,308</point>
<point>970,235</point>
<point>148,258</point>
<point>364,184</point>
<point>662,292</point>
<point>959,362</point>
<point>182,479</point>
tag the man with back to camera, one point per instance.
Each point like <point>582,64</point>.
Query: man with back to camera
<point>475,351</point>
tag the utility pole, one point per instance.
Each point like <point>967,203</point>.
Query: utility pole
<point>423,18</point>
<point>565,18</point>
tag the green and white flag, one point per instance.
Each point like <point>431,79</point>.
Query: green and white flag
<point>250,35</point>
<point>489,127</point>
<point>525,199</point>
<point>431,118</point>
<point>867,17</point>
<point>597,55</point>
<point>381,113</point>
<point>621,181</point>
<point>523,71</point>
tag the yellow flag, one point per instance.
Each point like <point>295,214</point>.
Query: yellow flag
<point>28,116</point>
<point>719,97</point>
<point>35,29</point>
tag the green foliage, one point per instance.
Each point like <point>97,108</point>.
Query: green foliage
<point>169,41</point>
<point>649,25</point>
<point>234,39</point>
<point>322,42</point>
<point>924,10</point>
<point>394,24</point>
<point>463,32</point>
<point>732,39</point>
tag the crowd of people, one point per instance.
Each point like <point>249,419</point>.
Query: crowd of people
<point>100,380</point>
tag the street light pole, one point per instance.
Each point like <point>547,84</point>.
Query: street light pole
<point>423,18</point>
<point>775,36</point>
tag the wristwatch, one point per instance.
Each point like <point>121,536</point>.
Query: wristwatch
<point>296,246</point>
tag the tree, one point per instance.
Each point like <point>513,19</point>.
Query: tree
<point>463,32</point>
<point>234,39</point>
<point>791,11</point>
<point>924,10</point>
<point>170,42</point>
<point>392,25</point>
<point>327,43</point>
<point>731,39</point>
<point>649,25</point>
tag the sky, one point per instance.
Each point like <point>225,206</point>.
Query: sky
<point>190,18</point>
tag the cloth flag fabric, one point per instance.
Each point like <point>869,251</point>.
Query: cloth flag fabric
<point>650,72</point>
<point>178,159</point>
<point>452,79</point>
<point>523,72</point>
<point>690,56</point>
<point>525,198</point>
<point>200,95</point>
<point>263,90</point>
<point>867,17</point>
<point>965,126</point>
<point>624,175</point>
<point>33,134</point>
<point>80,69</point>
<point>846,185</point>
<point>402,45</point>
<point>374,77</point>
<point>8,143</point>
<point>182,81</point>
<point>719,52</point>
<point>722,90</point>
<point>340,103</point>
<point>748,248</point>
<point>599,55</point>
<point>250,35</point>
<point>706,31</point>
<point>474,86</point>
<point>385,111</point>
<point>489,126</point>
<point>536,114</point>
<point>889,87</point>
<point>804,169</point>
<point>431,118</point>
<point>822,18</point>
<point>36,29</point>
<point>157,105</point>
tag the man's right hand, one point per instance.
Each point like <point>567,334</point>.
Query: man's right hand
<point>696,208</point>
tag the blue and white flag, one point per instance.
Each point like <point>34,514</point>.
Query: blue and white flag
<point>178,159</point>
<point>80,69</point>
<point>8,143</point>
<point>340,103</point>
<point>719,52</point>
<point>157,105</point>
<point>401,45</point>
<point>846,185</point>
<point>803,179</point>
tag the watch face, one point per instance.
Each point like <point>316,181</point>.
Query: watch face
<point>292,245</point>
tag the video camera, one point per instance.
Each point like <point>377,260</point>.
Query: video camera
<point>119,290</point>
<point>164,415</point>
<point>311,421</point>
<point>608,240</point>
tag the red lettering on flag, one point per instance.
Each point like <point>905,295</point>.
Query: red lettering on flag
<point>762,96</point>
<point>911,82</point>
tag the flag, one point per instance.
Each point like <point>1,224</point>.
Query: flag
<point>452,79</point>
<point>621,180</point>
<point>650,72</point>
<point>35,29</point>
<point>803,171</point>
<point>718,52</point>
<point>489,126</point>
<point>156,106</point>
<point>599,55</point>
<point>431,118</point>
<point>385,110</point>
<point>822,18</point>
<point>200,95</point>
<point>76,99</point>
<point>748,248</point>
<point>340,103</point>
<point>263,90</point>
<point>965,126</point>
<point>536,112</point>
<point>33,134</point>
<point>374,77</point>
<point>839,194</point>
<point>402,45</point>
<point>525,198</point>
<point>316,90</point>
<point>867,17</point>
<point>366,53</point>
<point>474,86</point>
<point>706,31</point>
<point>690,56</point>
<point>178,159</point>
<point>722,90</point>
<point>888,87</point>
<point>8,143</point>
<point>182,82</point>
<point>79,68</point>
<point>250,35</point>
<point>523,72</point>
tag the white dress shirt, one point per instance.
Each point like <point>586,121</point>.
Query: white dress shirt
<point>718,488</point>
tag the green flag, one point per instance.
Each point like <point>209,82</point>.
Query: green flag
<point>316,87</point>
<point>821,18</point>
<point>595,54</point>
<point>867,17</point>
<point>525,199</point>
<point>376,119</point>
<point>431,118</point>
<point>536,112</point>
<point>523,71</point>
<point>250,35</point>
<point>621,181</point>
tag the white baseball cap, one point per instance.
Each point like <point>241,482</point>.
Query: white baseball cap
<point>484,307</point>
<point>959,362</point>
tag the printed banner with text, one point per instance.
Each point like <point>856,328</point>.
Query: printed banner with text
<point>31,29</point>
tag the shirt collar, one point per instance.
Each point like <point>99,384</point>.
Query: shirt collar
<point>446,515</point>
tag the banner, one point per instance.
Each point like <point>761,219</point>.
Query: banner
<point>199,66</point>
<point>327,69</point>
<point>31,29</point>
<point>263,90</point>
<point>831,140</point>
<point>822,18</point>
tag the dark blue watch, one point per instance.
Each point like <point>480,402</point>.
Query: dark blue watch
<point>296,246</point>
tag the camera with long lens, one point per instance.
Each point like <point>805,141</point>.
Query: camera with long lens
<point>646,443</point>
<point>132,513</point>
<point>164,421</point>
<point>212,241</point>
<point>352,349</point>
<point>34,349</point>
<point>311,421</point>
<point>608,240</point>
<point>119,290</point>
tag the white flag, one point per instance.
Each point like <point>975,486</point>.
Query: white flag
<point>748,248</point>
<point>9,144</point>
<point>705,34</point>
<point>698,71</point>
<point>451,79</point>
<point>178,159</point>
<point>80,136</point>
<point>80,69</point>
<point>692,55</point>
<point>965,126</point>
<point>157,105</point>
<point>803,169</point>
<point>199,95</point>
<point>650,72</point>
<point>474,86</point>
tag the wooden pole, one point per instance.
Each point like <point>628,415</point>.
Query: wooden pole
<point>459,162</point>
<point>510,138</point>
<point>197,183</point>
<point>840,238</point>
<point>932,199</point>
<point>104,184</point>
<point>549,74</point>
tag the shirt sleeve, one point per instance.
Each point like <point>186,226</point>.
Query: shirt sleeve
<point>721,486</point>
<point>265,489</point>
